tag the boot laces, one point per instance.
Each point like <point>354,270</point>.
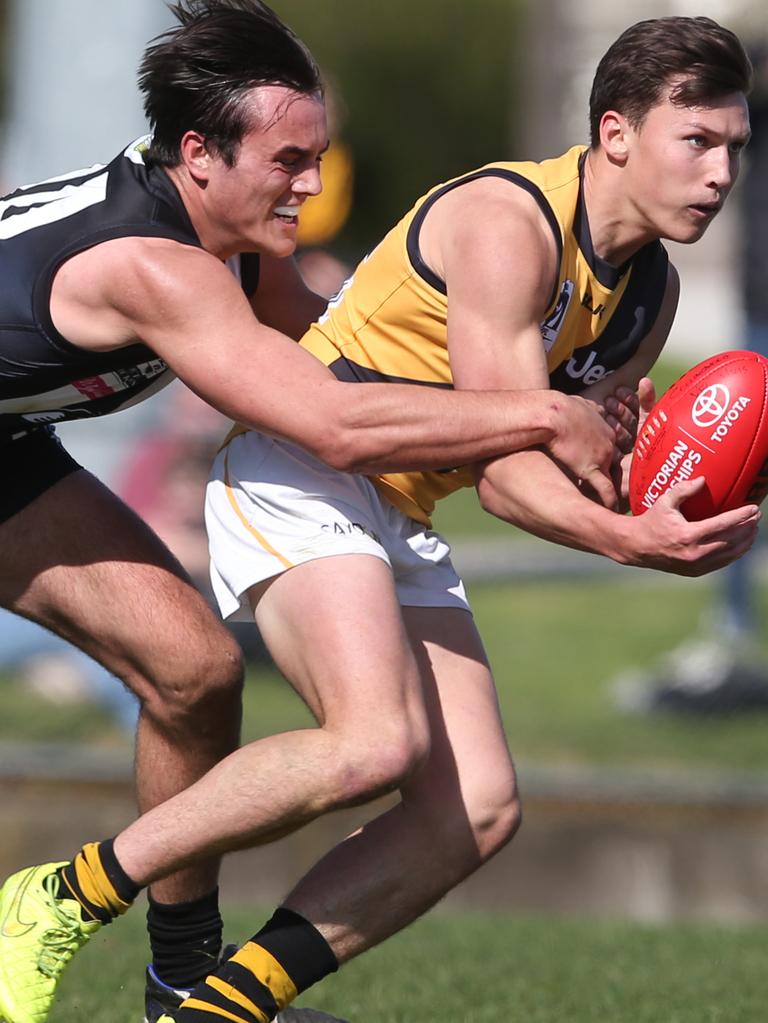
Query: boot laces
<point>60,942</point>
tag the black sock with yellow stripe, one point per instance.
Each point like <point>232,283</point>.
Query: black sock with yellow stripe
<point>283,959</point>
<point>97,881</point>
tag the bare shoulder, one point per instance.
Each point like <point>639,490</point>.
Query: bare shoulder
<point>106,296</point>
<point>490,215</point>
<point>162,263</point>
<point>490,196</point>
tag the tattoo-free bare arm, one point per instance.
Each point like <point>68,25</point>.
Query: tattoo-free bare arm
<point>187,307</point>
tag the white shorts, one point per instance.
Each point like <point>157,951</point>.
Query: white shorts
<point>271,506</point>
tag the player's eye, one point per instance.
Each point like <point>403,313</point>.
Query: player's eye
<point>697,141</point>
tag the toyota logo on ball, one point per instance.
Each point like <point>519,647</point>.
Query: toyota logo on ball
<point>711,405</point>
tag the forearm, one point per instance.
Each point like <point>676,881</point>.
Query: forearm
<point>529,490</point>
<point>386,427</point>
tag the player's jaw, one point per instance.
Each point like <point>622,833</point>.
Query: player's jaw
<point>694,218</point>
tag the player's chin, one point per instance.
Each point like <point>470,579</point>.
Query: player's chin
<point>279,245</point>
<point>690,229</point>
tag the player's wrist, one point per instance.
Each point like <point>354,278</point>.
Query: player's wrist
<point>622,540</point>
<point>550,419</point>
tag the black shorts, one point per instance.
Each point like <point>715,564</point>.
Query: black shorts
<point>29,466</point>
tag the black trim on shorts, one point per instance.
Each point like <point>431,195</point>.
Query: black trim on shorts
<point>31,465</point>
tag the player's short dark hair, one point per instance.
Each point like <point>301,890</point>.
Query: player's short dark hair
<point>198,75</point>
<point>708,60</point>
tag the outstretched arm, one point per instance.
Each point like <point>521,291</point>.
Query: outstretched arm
<point>187,307</point>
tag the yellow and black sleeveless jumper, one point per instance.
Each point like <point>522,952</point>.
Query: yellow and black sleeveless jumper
<point>389,322</point>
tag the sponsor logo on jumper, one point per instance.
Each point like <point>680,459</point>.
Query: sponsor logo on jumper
<point>93,387</point>
<point>679,465</point>
<point>586,301</point>
<point>589,371</point>
<point>133,375</point>
<point>43,417</point>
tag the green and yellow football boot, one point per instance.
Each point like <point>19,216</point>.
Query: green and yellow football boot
<point>39,934</point>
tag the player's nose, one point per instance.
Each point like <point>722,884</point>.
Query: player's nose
<point>722,168</point>
<point>308,183</point>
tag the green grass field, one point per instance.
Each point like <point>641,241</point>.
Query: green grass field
<point>484,969</point>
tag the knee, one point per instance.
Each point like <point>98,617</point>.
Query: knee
<point>373,765</point>
<point>197,688</point>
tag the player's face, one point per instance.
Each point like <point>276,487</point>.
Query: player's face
<point>683,163</point>
<point>257,202</point>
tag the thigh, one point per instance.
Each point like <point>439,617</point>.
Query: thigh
<point>271,507</point>
<point>80,562</point>
<point>334,628</point>
<point>470,763</point>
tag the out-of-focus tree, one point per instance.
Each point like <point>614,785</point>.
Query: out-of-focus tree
<point>429,90</point>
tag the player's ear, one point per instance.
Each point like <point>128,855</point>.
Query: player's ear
<point>195,155</point>
<point>614,135</point>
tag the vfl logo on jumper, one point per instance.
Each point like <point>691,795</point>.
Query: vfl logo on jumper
<point>338,298</point>
<point>13,925</point>
<point>551,327</point>
<point>713,408</point>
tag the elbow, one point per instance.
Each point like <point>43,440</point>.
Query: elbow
<point>488,497</point>
<point>341,448</point>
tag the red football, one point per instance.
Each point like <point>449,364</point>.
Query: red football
<point>712,423</point>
